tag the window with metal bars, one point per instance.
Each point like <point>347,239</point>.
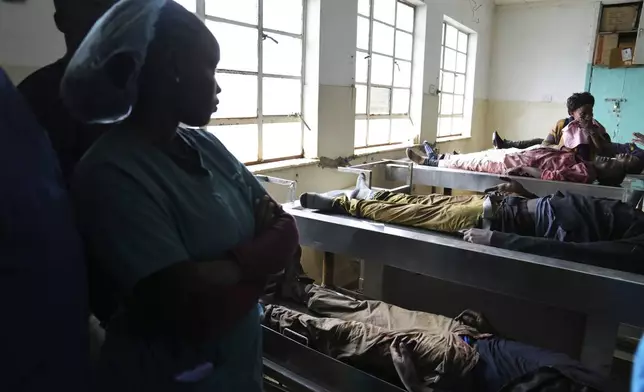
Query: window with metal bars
<point>452,84</point>
<point>384,59</point>
<point>260,74</point>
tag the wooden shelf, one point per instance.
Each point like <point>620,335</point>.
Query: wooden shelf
<point>617,32</point>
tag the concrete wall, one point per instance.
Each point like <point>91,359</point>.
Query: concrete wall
<point>540,57</point>
<point>28,37</point>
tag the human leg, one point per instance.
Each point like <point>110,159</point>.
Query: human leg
<point>441,358</point>
<point>447,214</point>
<point>328,303</point>
<point>499,143</point>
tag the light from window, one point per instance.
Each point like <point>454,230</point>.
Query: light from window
<point>260,74</point>
<point>383,72</point>
<point>453,75</point>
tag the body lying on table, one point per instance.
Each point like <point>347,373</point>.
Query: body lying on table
<point>423,350</point>
<point>602,232</point>
<point>546,163</point>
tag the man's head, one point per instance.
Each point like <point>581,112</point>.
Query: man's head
<point>74,18</point>
<point>580,107</point>
<point>610,172</point>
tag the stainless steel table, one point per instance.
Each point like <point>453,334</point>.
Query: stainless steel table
<point>606,296</point>
<point>412,174</point>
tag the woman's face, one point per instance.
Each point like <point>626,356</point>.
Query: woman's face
<point>198,88</point>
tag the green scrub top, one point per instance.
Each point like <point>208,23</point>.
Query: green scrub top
<point>142,208</point>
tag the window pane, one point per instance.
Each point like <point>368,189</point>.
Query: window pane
<point>238,97</point>
<point>444,126</point>
<point>363,33</point>
<point>381,69</point>
<point>385,11</point>
<point>449,62</point>
<point>378,131</point>
<point>401,130</point>
<point>281,140</point>
<point>362,67</point>
<point>400,101</point>
<point>459,84</point>
<point>379,103</point>
<point>383,38</point>
<point>461,62</point>
<point>240,140</point>
<point>462,42</point>
<point>281,96</point>
<point>458,104</point>
<point>190,5</point>
<point>451,37</point>
<point>447,101</point>
<point>364,7</point>
<point>360,138</point>
<point>404,45</point>
<point>402,73</point>
<point>283,15</point>
<point>283,57</point>
<point>405,17</point>
<point>238,10</point>
<point>238,46</point>
<point>361,99</point>
<point>448,82</point>
<point>458,125</point>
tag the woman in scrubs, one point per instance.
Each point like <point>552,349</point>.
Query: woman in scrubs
<point>181,237</point>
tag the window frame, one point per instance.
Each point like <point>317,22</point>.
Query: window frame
<point>369,85</point>
<point>442,71</point>
<point>260,119</point>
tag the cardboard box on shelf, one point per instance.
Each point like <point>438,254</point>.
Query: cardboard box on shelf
<point>621,56</point>
<point>619,18</point>
<point>605,44</point>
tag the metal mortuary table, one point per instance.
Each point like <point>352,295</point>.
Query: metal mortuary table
<point>606,296</point>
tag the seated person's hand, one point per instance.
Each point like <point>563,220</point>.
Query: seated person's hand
<point>638,138</point>
<point>404,364</point>
<point>478,236</point>
<point>266,211</point>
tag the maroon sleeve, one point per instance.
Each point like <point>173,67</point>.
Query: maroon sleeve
<point>271,250</point>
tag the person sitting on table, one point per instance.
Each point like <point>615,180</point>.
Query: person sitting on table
<point>579,131</point>
<point>568,226</point>
<point>180,236</point>
<point>539,162</point>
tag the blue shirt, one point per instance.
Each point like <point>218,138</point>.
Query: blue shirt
<point>44,328</point>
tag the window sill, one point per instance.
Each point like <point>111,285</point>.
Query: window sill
<point>281,165</point>
<point>451,138</point>
<point>362,151</point>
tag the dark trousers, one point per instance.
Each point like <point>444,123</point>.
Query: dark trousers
<point>360,333</point>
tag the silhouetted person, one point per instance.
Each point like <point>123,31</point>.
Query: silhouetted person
<point>180,235</point>
<point>70,138</point>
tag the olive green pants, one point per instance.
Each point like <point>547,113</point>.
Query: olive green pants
<point>431,212</point>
